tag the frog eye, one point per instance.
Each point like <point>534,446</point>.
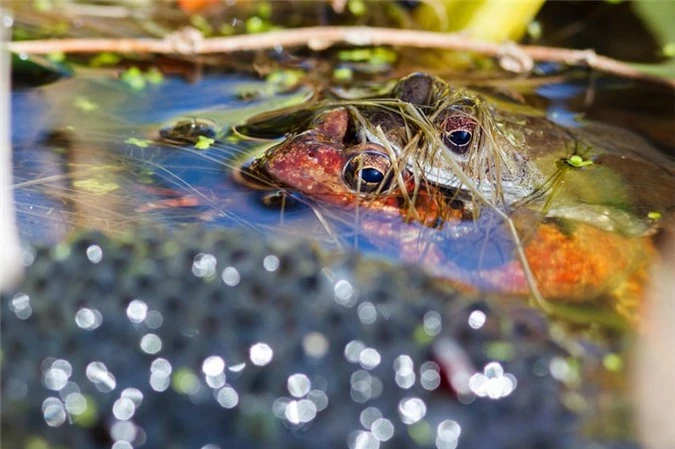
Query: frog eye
<point>368,171</point>
<point>458,133</point>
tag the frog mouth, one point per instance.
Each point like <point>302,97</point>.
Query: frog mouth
<point>253,174</point>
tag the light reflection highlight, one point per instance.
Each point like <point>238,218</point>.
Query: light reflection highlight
<point>20,305</point>
<point>94,253</point>
<point>261,354</point>
<point>230,276</point>
<point>204,265</point>
<point>493,382</point>
<point>88,319</point>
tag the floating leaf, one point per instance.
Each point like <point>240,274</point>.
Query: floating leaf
<point>578,161</point>
<point>96,185</point>
<point>141,143</point>
<point>203,142</point>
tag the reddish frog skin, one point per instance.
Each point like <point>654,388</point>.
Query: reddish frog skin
<point>314,161</point>
<point>579,264</point>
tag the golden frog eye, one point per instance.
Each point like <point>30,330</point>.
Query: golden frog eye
<point>368,171</point>
<point>458,133</point>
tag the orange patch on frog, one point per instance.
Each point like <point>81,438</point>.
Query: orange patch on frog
<point>587,264</point>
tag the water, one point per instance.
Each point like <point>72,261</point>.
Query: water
<point>87,154</point>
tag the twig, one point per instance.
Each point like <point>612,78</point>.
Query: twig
<point>191,42</point>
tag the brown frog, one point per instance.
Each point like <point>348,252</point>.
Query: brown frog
<point>428,224</point>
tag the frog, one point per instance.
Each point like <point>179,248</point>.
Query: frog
<point>503,154</point>
<point>428,224</point>
<point>508,155</point>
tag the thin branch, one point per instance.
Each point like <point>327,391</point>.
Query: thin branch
<point>190,41</point>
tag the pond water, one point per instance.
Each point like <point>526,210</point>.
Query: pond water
<point>88,155</point>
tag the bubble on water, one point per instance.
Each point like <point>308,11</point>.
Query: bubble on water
<point>364,386</point>
<point>75,403</point>
<point>230,276</point>
<point>99,375</point>
<point>344,293</point>
<point>493,382</point>
<point>20,305</point>
<point>137,311</point>
<point>369,415</point>
<point>88,319</point>
<point>430,376</point>
<point>405,371</point>
<point>315,344</point>
<point>367,312</point>
<point>55,379</point>
<point>204,265</point>
<point>271,263</point>
<point>369,358</point>
<point>54,412</point>
<point>382,429</point>
<point>122,445</point>
<point>448,433</point>
<point>227,397</point>
<point>298,385</point>
<point>124,409</point>
<point>261,354</point>
<point>213,365</point>
<point>319,398</point>
<point>362,440</point>
<point>123,431</point>
<point>432,323</point>
<point>154,319</point>
<point>216,381</point>
<point>94,253</point>
<point>353,351</point>
<point>411,410</point>
<point>151,344</point>
<point>477,319</point>
<point>133,394</point>
<point>160,374</point>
